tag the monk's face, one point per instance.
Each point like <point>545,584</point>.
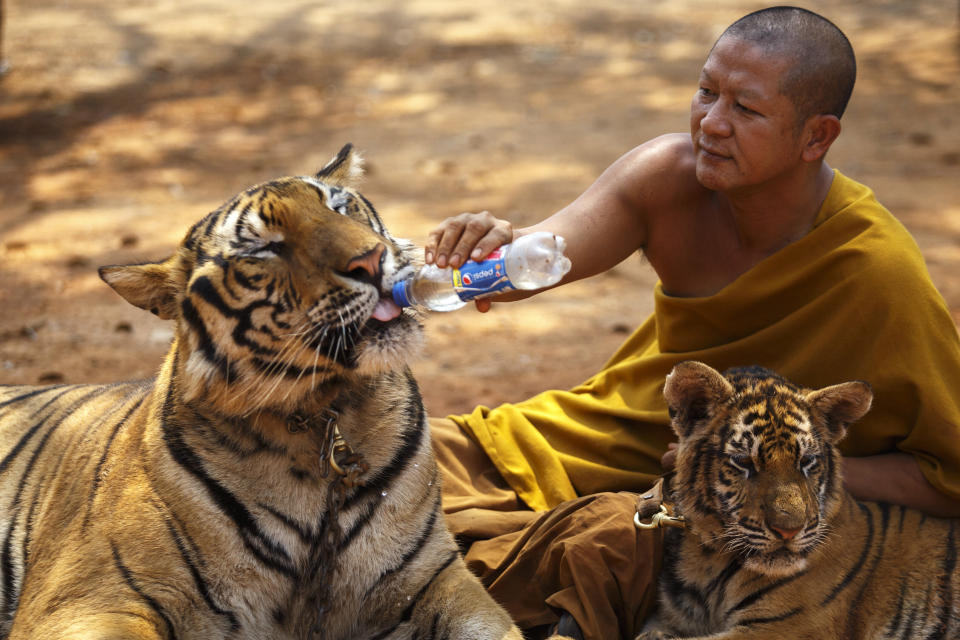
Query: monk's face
<point>744,130</point>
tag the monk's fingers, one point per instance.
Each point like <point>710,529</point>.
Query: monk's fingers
<point>441,242</point>
<point>457,238</point>
<point>476,227</point>
<point>442,239</point>
<point>495,236</point>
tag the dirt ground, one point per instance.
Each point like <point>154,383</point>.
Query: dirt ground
<point>122,122</point>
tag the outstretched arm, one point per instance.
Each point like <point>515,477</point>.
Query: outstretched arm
<point>602,227</point>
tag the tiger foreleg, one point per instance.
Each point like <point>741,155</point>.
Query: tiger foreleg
<point>98,626</point>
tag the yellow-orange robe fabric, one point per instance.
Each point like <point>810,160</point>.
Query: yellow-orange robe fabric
<point>852,300</point>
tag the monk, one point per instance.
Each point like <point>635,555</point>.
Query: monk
<point>765,256</point>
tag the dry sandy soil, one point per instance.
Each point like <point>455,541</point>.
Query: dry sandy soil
<point>122,122</point>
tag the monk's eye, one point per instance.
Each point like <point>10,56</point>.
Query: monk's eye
<point>808,464</point>
<point>744,463</point>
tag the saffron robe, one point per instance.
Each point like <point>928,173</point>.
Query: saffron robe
<point>851,300</point>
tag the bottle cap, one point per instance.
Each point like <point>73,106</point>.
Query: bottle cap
<point>399,292</point>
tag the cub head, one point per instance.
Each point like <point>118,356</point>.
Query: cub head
<point>279,291</point>
<point>758,472</point>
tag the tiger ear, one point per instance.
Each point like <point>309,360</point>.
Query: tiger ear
<point>148,286</point>
<point>345,169</point>
<point>690,390</point>
<point>841,404</point>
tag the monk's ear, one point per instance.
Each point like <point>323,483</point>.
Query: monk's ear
<point>691,390</point>
<point>345,169</point>
<point>149,286</point>
<point>820,131</point>
<point>840,405</point>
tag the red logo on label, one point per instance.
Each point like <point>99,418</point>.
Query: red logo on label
<point>467,280</point>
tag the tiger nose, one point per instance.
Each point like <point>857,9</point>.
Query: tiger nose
<point>366,266</point>
<point>786,534</point>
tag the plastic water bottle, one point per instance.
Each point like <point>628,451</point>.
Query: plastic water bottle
<point>532,261</point>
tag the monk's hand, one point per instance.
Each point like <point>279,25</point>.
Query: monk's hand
<point>669,459</point>
<point>468,236</point>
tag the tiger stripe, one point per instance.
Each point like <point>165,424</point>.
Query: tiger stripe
<point>415,600</point>
<point>101,463</point>
<point>131,582</point>
<point>198,580</point>
<point>416,547</point>
<point>254,538</point>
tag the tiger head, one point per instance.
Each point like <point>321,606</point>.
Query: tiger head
<point>281,290</point>
<point>758,473</point>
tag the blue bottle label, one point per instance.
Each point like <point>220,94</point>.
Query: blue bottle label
<point>482,279</point>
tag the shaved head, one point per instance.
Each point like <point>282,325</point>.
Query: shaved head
<point>822,69</point>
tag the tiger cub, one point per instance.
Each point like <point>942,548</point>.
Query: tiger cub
<point>774,546</point>
<point>275,480</point>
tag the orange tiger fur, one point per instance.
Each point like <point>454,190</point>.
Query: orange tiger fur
<point>774,546</point>
<point>203,504</point>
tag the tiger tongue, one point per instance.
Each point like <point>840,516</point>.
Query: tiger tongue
<point>386,310</point>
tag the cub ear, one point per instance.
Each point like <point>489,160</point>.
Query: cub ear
<point>841,404</point>
<point>690,390</point>
<point>345,169</point>
<point>148,286</point>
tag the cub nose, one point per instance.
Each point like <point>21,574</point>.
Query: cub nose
<point>366,267</point>
<point>786,534</point>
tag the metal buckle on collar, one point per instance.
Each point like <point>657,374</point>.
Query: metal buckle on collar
<point>660,520</point>
<point>350,466</point>
<point>339,448</point>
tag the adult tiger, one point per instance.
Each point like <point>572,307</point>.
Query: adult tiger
<point>774,547</point>
<point>276,479</point>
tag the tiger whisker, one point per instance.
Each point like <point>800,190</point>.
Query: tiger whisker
<point>256,381</point>
<point>316,362</point>
<point>280,363</point>
<point>295,382</point>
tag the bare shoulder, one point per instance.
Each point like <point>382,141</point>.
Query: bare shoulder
<point>618,213</point>
<point>660,171</point>
<point>671,147</point>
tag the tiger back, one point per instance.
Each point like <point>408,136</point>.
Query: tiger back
<point>275,480</point>
<point>774,546</point>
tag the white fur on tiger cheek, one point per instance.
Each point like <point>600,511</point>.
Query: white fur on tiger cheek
<point>386,352</point>
<point>199,368</point>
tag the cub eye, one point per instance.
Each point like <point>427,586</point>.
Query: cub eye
<point>744,463</point>
<point>808,463</point>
